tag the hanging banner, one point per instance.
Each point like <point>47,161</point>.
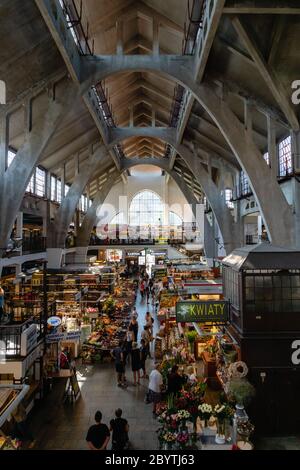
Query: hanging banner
<point>202,311</point>
<point>70,336</point>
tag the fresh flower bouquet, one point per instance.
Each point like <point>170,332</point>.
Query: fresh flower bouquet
<point>222,412</point>
<point>211,346</point>
<point>205,412</point>
<point>182,439</point>
<point>169,437</point>
<point>183,415</point>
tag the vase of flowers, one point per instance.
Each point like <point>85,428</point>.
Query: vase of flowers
<point>182,439</point>
<point>169,439</point>
<point>205,412</point>
<point>221,413</point>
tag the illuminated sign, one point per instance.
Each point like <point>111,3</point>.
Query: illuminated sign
<point>202,311</point>
<point>54,322</point>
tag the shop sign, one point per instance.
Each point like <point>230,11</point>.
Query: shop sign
<point>54,322</point>
<point>159,253</point>
<point>132,254</point>
<point>202,311</point>
<point>66,336</point>
<point>28,340</point>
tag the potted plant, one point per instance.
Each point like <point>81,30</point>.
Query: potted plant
<point>191,337</point>
<point>241,390</point>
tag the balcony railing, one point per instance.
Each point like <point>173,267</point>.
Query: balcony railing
<point>11,336</point>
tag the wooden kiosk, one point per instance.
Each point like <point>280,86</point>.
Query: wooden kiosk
<point>262,283</point>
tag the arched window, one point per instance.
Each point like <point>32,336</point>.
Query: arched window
<point>175,219</point>
<point>146,208</point>
<point>118,219</point>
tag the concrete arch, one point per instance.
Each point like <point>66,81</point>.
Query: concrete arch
<point>229,229</point>
<point>181,70</point>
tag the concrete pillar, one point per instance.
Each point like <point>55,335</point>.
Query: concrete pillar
<point>153,117</point>
<point>17,176</point>
<point>19,225</point>
<point>155,44</point>
<point>272,148</point>
<point>63,181</point>
<point>119,30</point>
<point>28,115</point>
<point>4,137</point>
<point>76,164</point>
<point>131,121</point>
<point>54,258</point>
<point>248,116</point>
<point>209,239</point>
<point>81,254</point>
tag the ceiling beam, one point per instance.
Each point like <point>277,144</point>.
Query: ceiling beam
<point>263,7</point>
<point>267,73</point>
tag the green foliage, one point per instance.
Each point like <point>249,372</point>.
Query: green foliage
<point>242,391</point>
<point>191,336</point>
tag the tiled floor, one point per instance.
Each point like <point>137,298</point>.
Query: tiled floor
<point>58,426</point>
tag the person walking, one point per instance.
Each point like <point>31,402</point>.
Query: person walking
<point>135,363</point>
<point>155,387</point>
<point>129,340</point>
<point>119,364</point>
<point>142,288</point>
<point>146,337</point>
<point>149,323</point>
<point>135,328</point>
<point>147,291</point>
<point>119,428</point>
<point>143,357</point>
<point>98,434</point>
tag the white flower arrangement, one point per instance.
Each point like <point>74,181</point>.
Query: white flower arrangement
<point>183,414</point>
<point>219,409</point>
<point>205,408</point>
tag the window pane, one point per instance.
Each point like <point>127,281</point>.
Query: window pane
<point>245,186</point>
<point>146,209</point>
<point>58,191</point>
<point>40,182</point>
<point>53,188</point>
<point>10,156</point>
<point>285,157</point>
<point>228,198</point>
<point>30,187</point>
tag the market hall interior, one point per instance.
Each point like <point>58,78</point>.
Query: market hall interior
<point>149,150</point>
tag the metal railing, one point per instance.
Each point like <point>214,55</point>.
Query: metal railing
<point>194,21</point>
<point>11,335</point>
<point>75,21</point>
